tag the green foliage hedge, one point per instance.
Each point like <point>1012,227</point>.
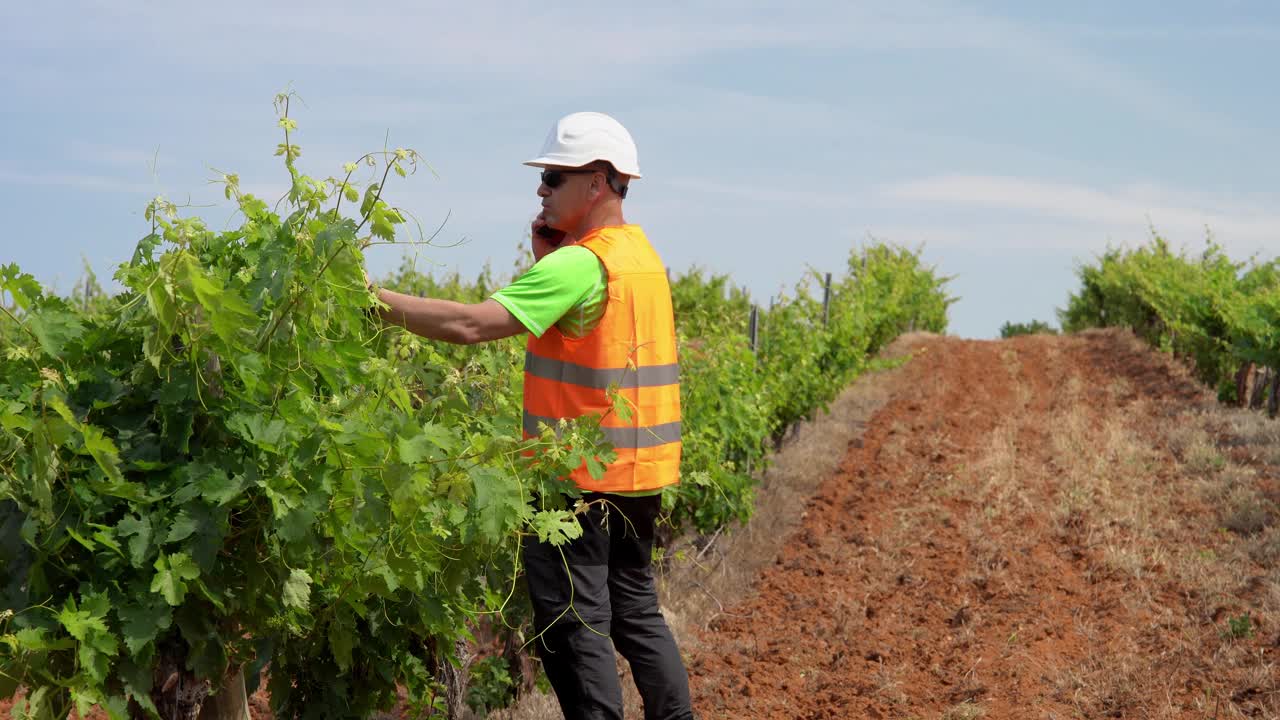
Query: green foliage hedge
<point>734,400</point>
<point>1035,327</point>
<point>1216,312</point>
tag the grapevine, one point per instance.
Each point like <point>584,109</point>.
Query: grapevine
<point>1219,314</point>
<point>224,468</point>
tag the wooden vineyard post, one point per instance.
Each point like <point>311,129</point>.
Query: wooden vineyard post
<point>1261,381</point>
<point>519,664</point>
<point>826,302</point>
<point>1243,375</point>
<point>753,328</point>
<point>1274,399</point>
<point>455,679</point>
<point>230,702</point>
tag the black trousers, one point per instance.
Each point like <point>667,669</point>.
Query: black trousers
<point>596,594</point>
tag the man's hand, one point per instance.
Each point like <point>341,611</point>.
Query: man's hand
<point>545,242</point>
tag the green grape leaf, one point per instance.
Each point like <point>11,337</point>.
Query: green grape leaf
<point>105,537</point>
<point>138,530</point>
<point>87,543</point>
<point>22,287</point>
<point>228,314</point>
<point>556,527</point>
<point>382,227</point>
<point>87,624</point>
<point>433,442</point>
<point>341,642</point>
<point>55,329</point>
<point>184,525</point>
<point>219,488</point>
<point>370,196</point>
<point>622,406</point>
<point>595,468</point>
<point>171,572</point>
<point>296,524</point>
<point>164,308</point>
<point>141,624</point>
<point>258,429</point>
<point>104,452</point>
<point>12,418</point>
<point>81,623</point>
<point>117,707</point>
<point>498,503</point>
<point>414,450</point>
<point>297,589</point>
<point>37,640</point>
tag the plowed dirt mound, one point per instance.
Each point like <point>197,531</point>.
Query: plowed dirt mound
<point>1027,529</point>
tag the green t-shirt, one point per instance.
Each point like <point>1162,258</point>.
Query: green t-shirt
<point>567,288</point>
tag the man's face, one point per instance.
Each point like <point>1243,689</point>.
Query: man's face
<point>568,194</point>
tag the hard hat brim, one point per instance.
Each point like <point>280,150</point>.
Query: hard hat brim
<point>546,161</point>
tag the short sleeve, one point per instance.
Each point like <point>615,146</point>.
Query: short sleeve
<point>551,288</point>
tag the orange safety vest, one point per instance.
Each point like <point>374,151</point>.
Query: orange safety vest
<point>633,351</point>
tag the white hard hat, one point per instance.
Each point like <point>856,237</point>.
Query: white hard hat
<point>584,137</point>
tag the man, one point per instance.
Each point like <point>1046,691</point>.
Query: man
<point>597,308</point>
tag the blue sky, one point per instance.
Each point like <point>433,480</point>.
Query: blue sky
<point>1009,139</point>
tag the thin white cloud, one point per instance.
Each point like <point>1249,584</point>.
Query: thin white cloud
<point>1173,32</point>
<point>1119,211</point>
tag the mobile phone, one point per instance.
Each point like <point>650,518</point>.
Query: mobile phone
<point>553,236</point>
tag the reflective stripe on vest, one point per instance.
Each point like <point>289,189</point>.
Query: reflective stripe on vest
<point>630,355</point>
<point>601,379</point>
<point>619,437</point>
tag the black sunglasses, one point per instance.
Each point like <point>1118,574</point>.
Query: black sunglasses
<point>555,178</point>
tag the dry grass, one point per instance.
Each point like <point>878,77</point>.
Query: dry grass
<point>1194,446</point>
<point>1265,548</point>
<point>888,683</point>
<point>1242,508</point>
<point>1247,583</point>
<point>1111,501</point>
<point>1112,507</point>
<point>1253,431</point>
<point>535,706</point>
<point>999,488</point>
<point>1105,494</point>
<point>964,711</point>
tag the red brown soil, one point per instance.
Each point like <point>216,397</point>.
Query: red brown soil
<point>907,592</point>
